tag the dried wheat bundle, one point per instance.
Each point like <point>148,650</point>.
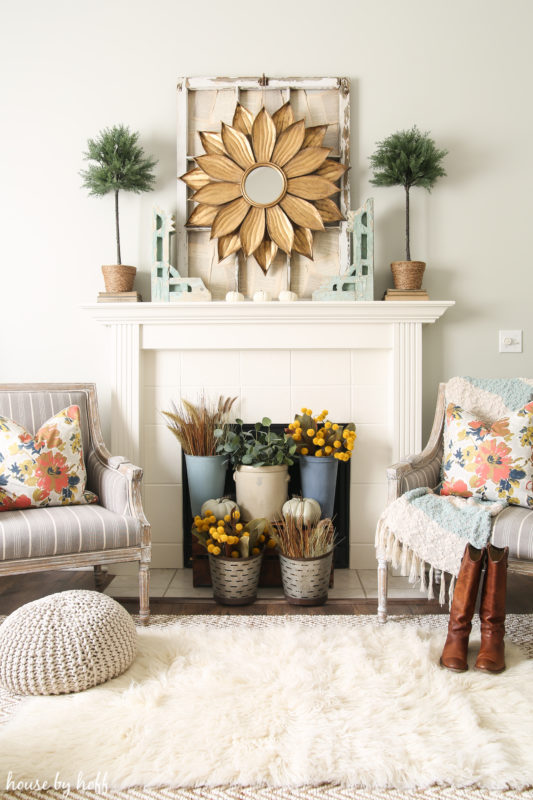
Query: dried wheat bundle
<point>194,424</point>
<point>295,539</point>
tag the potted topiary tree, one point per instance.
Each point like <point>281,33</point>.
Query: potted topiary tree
<point>119,164</point>
<point>407,158</point>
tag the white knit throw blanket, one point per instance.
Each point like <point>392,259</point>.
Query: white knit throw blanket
<point>410,538</point>
<point>407,536</point>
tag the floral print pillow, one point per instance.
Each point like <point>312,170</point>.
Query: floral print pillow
<point>494,462</point>
<point>46,469</point>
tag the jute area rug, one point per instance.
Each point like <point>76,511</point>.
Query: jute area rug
<point>271,707</point>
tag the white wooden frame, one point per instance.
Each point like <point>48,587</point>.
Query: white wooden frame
<point>185,160</point>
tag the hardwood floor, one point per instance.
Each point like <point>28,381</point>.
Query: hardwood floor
<point>15,590</point>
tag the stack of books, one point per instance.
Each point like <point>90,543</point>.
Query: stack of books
<point>406,294</point>
<point>119,297</point>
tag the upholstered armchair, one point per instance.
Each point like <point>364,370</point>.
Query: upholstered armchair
<point>110,531</point>
<point>512,528</point>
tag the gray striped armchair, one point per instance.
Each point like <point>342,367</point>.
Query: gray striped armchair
<point>513,527</point>
<point>110,531</point>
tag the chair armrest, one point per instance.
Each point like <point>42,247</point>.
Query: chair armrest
<point>133,476</point>
<point>422,469</point>
<point>117,482</point>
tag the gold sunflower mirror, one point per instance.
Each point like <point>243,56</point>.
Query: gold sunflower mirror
<point>264,183</point>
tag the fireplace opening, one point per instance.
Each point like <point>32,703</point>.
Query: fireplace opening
<point>195,557</point>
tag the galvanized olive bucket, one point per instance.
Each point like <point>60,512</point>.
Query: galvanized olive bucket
<point>306,580</point>
<point>235,580</point>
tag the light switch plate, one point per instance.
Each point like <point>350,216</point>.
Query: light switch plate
<point>510,341</point>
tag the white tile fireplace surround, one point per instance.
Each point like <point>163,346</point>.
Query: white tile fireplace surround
<point>361,361</point>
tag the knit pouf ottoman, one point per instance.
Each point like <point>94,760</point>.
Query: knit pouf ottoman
<point>66,642</point>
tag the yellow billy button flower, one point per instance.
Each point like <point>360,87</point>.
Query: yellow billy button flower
<point>236,514</point>
<point>350,446</point>
<point>321,442</point>
<point>207,513</point>
<point>210,548</point>
<point>227,518</point>
<point>304,451</point>
<point>310,431</point>
<point>337,443</point>
<point>212,531</point>
<point>216,551</point>
<point>262,538</point>
<point>246,533</point>
<point>296,424</point>
<point>318,454</point>
<point>235,554</point>
<point>328,449</point>
<point>239,526</point>
<point>209,541</point>
<point>255,551</point>
<point>315,440</point>
<point>221,528</point>
<point>271,544</point>
<point>327,425</point>
<point>224,537</point>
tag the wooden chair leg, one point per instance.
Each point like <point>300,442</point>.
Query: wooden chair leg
<point>383,579</point>
<point>144,592</point>
<point>99,576</point>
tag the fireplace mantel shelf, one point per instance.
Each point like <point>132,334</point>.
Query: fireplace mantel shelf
<point>301,312</point>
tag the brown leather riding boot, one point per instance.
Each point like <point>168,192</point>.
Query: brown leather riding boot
<point>463,605</point>
<point>491,657</point>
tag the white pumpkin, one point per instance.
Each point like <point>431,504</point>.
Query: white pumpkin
<point>234,297</point>
<point>287,297</point>
<point>262,296</point>
<point>219,507</point>
<point>303,507</point>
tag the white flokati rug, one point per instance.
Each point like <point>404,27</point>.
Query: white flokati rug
<point>282,703</point>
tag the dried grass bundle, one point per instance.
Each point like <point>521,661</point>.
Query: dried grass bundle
<point>295,539</point>
<point>194,424</point>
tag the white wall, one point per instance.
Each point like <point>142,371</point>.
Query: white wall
<point>461,69</point>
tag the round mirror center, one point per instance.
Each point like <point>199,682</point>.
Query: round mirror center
<point>264,185</point>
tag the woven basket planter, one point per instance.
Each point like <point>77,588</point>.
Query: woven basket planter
<point>118,277</point>
<point>235,580</point>
<point>306,580</point>
<point>407,274</point>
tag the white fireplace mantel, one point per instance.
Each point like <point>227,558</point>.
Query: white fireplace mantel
<point>271,326</point>
<point>302,312</point>
<point>362,360</point>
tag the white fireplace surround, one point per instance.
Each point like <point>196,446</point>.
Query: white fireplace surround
<point>361,361</point>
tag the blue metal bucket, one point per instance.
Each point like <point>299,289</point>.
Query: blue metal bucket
<point>206,476</point>
<point>319,480</point>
